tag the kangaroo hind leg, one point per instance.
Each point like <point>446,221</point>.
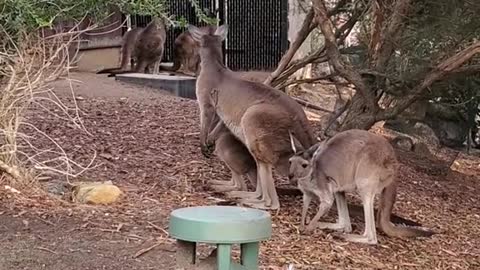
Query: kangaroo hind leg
<point>370,234</point>
<point>343,222</point>
<point>269,198</point>
<point>235,183</point>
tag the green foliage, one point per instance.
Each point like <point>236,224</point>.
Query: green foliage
<point>27,15</point>
<point>437,29</point>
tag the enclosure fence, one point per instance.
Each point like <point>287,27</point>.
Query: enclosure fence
<point>257,34</point>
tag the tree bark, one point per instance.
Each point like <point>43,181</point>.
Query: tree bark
<point>359,116</point>
<point>335,58</point>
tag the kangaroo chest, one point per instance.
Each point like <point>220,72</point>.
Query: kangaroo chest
<point>229,113</point>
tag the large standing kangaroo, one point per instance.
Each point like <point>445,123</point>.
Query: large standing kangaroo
<point>258,115</point>
<point>145,45</point>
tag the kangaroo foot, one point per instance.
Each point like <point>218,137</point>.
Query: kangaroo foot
<point>334,226</point>
<point>259,204</point>
<point>224,188</point>
<point>363,239</point>
<point>221,182</point>
<point>243,195</point>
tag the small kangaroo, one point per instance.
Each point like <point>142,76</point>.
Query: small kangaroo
<point>145,45</point>
<point>257,115</point>
<point>185,52</point>
<point>237,158</point>
<point>353,160</point>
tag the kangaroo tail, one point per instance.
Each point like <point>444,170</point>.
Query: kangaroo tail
<point>119,71</point>
<point>176,59</point>
<point>252,176</point>
<point>387,200</point>
<point>108,70</point>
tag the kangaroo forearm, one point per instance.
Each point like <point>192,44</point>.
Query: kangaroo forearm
<point>206,118</point>
<point>215,132</point>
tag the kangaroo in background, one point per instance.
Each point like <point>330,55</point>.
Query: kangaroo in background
<point>258,115</point>
<point>144,45</point>
<point>353,160</point>
<point>185,52</point>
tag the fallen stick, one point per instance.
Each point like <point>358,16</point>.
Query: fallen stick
<point>145,250</point>
<point>46,249</point>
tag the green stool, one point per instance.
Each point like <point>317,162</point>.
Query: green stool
<point>223,226</point>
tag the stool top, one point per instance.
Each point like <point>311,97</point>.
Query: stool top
<point>220,224</point>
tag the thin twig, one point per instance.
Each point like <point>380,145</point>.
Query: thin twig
<point>145,250</point>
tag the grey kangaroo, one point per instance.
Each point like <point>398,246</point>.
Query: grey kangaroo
<point>353,160</point>
<point>256,114</point>
<point>144,45</point>
<point>185,52</point>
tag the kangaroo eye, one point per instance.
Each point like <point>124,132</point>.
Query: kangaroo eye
<point>289,162</point>
<point>304,166</point>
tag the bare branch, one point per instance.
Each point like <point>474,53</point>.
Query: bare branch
<point>336,114</point>
<point>309,24</point>
<point>310,105</point>
<point>309,80</point>
<point>335,58</point>
<point>319,56</point>
<point>305,30</point>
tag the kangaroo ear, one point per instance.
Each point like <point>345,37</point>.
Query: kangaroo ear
<point>196,33</point>
<point>296,145</point>
<point>222,31</point>
<point>316,148</point>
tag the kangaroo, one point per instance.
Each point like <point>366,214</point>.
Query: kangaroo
<point>257,115</point>
<point>237,158</point>
<point>145,45</point>
<point>353,160</point>
<point>185,52</point>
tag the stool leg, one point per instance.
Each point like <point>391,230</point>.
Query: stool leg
<point>249,255</point>
<point>186,253</point>
<point>223,256</point>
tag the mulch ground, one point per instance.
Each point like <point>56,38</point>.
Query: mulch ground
<point>147,143</point>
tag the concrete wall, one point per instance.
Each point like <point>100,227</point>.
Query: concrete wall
<point>96,59</point>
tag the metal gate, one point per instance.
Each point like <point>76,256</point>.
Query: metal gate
<point>257,34</point>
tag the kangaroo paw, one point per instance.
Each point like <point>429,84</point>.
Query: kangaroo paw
<point>334,226</point>
<point>243,195</point>
<point>224,188</point>
<point>260,205</point>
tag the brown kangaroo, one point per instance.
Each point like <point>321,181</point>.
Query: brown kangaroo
<point>145,45</point>
<point>353,160</point>
<point>258,115</point>
<point>185,52</point>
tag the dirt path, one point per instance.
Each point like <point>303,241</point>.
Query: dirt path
<point>147,143</point>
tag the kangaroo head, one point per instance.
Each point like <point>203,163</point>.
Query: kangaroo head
<point>209,43</point>
<point>301,163</point>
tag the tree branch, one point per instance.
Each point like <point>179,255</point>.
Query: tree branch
<point>388,39</point>
<point>310,105</point>
<point>376,29</point>
<point>319,56</point>
<point>335,58</point>
<point>309,80</point>
<point>445,68</point>
<point>306,29</point>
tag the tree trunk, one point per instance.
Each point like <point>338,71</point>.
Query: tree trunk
<point>358,116</point>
